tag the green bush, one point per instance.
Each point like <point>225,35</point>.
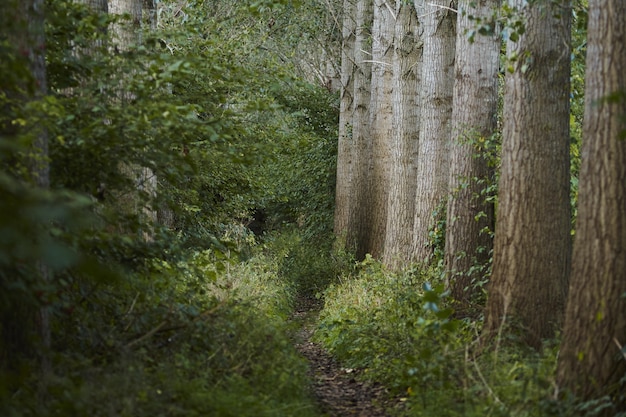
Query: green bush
<point>398,328</point>
<point>205,336</point>
<point>309,264</point>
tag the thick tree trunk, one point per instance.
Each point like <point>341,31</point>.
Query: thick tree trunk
<point>358,233</point>
<point>532,249</point>
<point>346,111</point>
<point>474,113</point>
<point>591,364</point>
<point>381,126</point>
<point>407,65</point>
<point>437,86</point>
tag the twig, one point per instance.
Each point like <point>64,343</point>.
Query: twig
<point>147,335</point>
<point>443,7</point>
<point>377,62</point>
<point>132,306</point>
<point>482,378</point>
<point>621,348</point>
<point>390,10</point>
<point>435,11</point>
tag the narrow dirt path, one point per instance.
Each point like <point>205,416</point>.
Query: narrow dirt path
<point>338,390</point>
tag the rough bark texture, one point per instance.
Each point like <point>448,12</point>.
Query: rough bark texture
<point>473,119</point>
<point>346,111</point>
<point>358,231</point>
<point>96,5</point>
<point>381,126</point>
<point>532,243</point>
<point>407,64</point>
<point>590,362</point>
<point>437,85</point>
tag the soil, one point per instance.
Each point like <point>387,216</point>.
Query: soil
<point>339,391</point>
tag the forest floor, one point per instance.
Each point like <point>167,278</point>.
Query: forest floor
<point>339,391</point>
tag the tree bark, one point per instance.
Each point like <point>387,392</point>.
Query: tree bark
<point>381,123</point>
<point>590,362</point>
<point>346,112</point>
<point>468,243</point>
<point>407,65</point>
<point>532,249</point>
<point>359,230</point>
<point>437,86</point>
<point>127,34</point>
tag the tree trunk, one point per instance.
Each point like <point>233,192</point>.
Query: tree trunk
<point>407,65</point>
<point>96,5</point>
<point>359,222</point>
<point>532,249</point>
<point>590,362</point>
<point>346,111</point>
<point>468,244</point>
<point>439,37</point>
<point>381,126</point>
<point>26,330</point>
<point>127,34</point>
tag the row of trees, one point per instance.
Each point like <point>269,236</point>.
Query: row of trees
<point>418,124</point>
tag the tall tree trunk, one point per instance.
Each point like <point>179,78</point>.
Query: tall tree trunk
<point>346,111</point>
<point>127,34</point>
<point>532,249</point>
<point>40,168</point>
<point>474,114</point>
<point>359,211</point>
<point>439,25</point>
<point>407,65</point>
<point>381,122</point>
<point>26,330</point>
<point>591,364</point>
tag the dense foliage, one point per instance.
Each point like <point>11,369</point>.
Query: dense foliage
<point>159,303</point>
<point>177,302</point>
<point>400,328</point>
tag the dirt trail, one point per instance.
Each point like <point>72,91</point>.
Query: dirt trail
<point>338,390</point>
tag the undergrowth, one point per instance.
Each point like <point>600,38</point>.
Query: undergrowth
<point>205,336</point>
<point>399,328</point>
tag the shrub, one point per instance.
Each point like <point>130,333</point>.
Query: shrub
<point>205,336</point>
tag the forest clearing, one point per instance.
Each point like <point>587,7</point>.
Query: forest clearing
<point>313,208</point>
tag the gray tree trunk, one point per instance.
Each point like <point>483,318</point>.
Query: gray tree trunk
<point>346,111</point>
<point>532,249</point>
<point>437,85</point>
<point>359,221</point>
<point>468,215</point>
<point>381,122</point>
<point>407,66</point>
<point>127,34</point>
<point>590,362</point>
